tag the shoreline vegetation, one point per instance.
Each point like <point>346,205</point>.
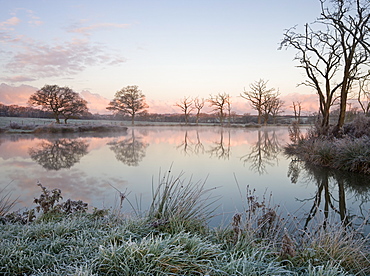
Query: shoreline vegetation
<point>171,238</point>
<point>53,128</point>
<point>348,151</point>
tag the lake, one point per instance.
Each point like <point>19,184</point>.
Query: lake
<point>91,168</point>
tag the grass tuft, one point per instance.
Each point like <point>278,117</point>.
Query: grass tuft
<point>177,204</point>
<point>6,203</point>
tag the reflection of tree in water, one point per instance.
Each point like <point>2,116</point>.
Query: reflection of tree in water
<point>198,147</point>
<point>129,151</point>
<point>221,149</point>
<point>325,201</point>
<point>59,154</point>
<point>185,145</point>
<point>264,152</point>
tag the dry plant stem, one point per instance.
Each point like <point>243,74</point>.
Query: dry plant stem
<point>6,203</point>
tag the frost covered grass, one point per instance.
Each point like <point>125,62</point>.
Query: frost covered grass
<point>172,238</point>
<point>350,152</point>
<point>87,245</point>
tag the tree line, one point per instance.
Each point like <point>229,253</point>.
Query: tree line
<point>64,103</point>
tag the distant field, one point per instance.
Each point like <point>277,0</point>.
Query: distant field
<point>6,121</point>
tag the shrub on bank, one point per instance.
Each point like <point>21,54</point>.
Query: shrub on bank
<point>60,128</point>
<point>349,152</point>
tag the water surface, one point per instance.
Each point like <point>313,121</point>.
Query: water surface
<point>92,168</point>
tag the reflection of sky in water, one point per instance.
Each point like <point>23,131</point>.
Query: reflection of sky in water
<point>223,157</point>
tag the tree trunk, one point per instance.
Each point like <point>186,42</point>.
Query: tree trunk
<point>342,108</point>
<point>259,117</point>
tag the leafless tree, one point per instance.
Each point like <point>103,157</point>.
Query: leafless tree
<point>260,98</point>
<point>219,103</point>
<point>129,100</point>
<point>333,51</point>
<point>363,97</point>
<point>297,108</point>
<point>61,101</point>
<point>228,109</point>
<point>276,108</point>
<point>186,105</point>
<point>199,104</point>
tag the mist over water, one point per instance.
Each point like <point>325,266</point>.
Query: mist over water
<point>230,160</point>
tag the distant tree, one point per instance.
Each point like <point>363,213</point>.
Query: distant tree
<point>186,105</point>
<point>228,109</point>
<point>73,108</point>
<point>297,108</point>
<point>129,100</point>
<point>334,51</point>
<point>61,101</point>
<point>219,103</point>
<point>199,104</point>
<point>260,98</point>
<point>276,107</point>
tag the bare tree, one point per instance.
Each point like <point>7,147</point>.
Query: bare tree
<point>351,20</point>
<point>260,98</point>
<point>129,100</point>
<point>219,102</point>
<point>74,107</point>
<point>363,97</point>
<point>333,51</point>
<point>297,108</point>
<point>276,107</point>
<point>186,105</point>
<point>61,101</point>
<point>228,109</point>
<point>199,104</point>
<point>318,54</point>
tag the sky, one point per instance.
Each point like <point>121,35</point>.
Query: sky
<point>170,49</point>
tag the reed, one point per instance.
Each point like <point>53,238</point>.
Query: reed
<point>180,205</point>
<point>6,201</point>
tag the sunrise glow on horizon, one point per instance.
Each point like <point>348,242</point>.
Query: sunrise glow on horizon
<point>169,49</point>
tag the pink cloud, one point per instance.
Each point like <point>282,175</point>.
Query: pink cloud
<point>18,78</point>
<point>10,22</point>
<point>18,95</point>
<point>86,30</point>
<point>95,102</point>
<point>64,59</point>
<point>35,20</point>
<point>309,102</point>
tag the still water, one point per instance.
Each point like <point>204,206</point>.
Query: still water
<point>91,168</point>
